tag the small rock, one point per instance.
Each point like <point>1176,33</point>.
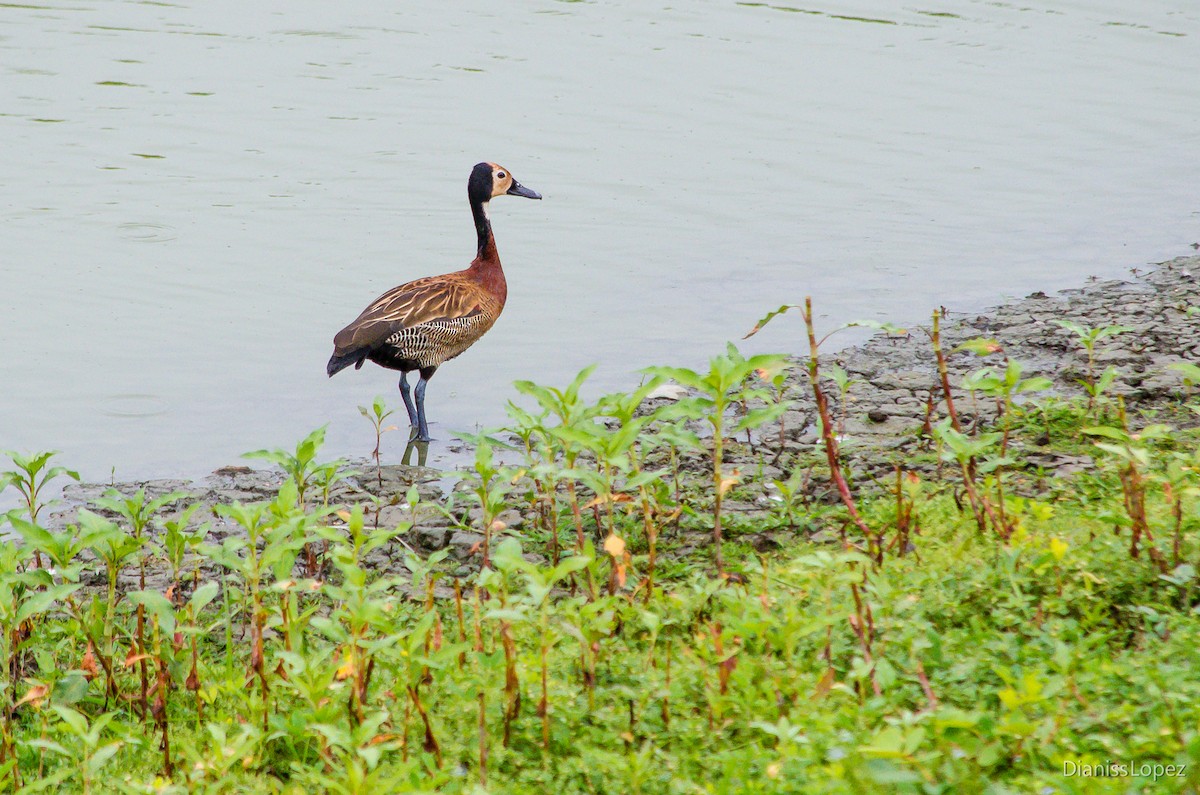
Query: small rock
<point>765,542</point>
<point>510,518</point>
<point>433,538</point>
<point>667,392</point>
<point>465,543</point>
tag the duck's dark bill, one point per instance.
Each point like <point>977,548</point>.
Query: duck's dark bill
<point>518,189</point>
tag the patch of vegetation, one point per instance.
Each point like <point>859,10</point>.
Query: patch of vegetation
<point>664,621</point>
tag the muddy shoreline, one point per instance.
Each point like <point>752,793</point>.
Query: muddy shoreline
<point>894,385</point>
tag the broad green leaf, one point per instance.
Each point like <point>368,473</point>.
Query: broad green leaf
<point>75,720</point>
<point>157,605</point>
<point>1035,384</point>
<point>981,346</point>
<point>767,318</point>
<point>1108,433</point>
<point>680,375</point>
<point>203,595</point>
<point>1190,372</point>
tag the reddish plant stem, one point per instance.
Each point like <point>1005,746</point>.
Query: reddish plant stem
<point>831,444</point>
<point>863,626</point>
<point>483,744</point>
<point>1176,514</point>
<point>666,700</point>
<point>718,457</point>
<point>141,652</point>
<point>431,744</point>
<point>943,372</point>
<point>478,620</point>
<point>462,627</point>
<point>1133,486</point>
<point>160,713</point>
<point>925,686</point>
<point>512,685</point>
<point>549,516</point>
<point>404,733</point>
<point>544,705</point>
<point>577,515</point>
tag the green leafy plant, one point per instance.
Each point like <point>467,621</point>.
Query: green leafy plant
<point>138,512</point>
<point>965,660</point>
<point>983,456</point>
<point>828,437</point>
<point>571,412</point>
<point>1087,338</point>
<point>82,742</point>
<point>722,386</point>
<point>490,490</point>
<point>1132,451</point>
<point>30,476</point>
<point>301,465</point>
<point>377,415</point>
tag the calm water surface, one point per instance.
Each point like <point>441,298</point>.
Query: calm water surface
<point>196,196</point>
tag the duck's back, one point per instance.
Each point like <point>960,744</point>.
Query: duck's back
<point>420,324</point>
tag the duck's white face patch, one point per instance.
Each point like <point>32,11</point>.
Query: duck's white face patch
<point>501,181</point>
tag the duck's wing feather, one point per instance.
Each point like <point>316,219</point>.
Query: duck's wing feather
<point>422,301</point>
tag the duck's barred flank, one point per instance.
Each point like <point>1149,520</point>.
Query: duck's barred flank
<point>421,324</point>
<point>430,344</point>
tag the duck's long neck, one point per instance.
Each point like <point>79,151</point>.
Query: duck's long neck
<point>483,228</point>
<point>486,264</point>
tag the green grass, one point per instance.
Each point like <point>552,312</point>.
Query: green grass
<point>936,656</point>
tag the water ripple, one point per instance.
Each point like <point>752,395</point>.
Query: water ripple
<point>147,232</point>
<point>133,405</point>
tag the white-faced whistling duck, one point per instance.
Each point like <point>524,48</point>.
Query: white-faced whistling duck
<point>419,325</point>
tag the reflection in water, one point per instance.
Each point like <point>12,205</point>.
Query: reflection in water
<point>422,449</point>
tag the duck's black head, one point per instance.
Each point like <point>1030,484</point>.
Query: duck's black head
<point>489,180</point>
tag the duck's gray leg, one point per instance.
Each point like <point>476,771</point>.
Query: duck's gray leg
<point>408,403</point>
<point>421,423</point>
